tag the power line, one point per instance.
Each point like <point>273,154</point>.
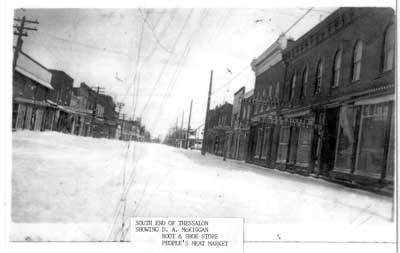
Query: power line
<point>154,34</point>
<point>297,21</point>
<point>151,53</point>
<point>106,50</point>
<point>166,63</point>
<point>233,78</point>
<point>178,69</point>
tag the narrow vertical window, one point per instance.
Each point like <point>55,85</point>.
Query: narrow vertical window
<point>388,49</point>
<point>304,81</point>
<point>357,56</point>
<point>292,86</point>
<point>337,60</point>
<point>277,90</point>
<point>318,79</point>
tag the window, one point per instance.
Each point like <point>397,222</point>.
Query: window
<point>357,56</point>
<point>277,90</point>
<point>304,81</point>
<point>292,86</point>
<point>265,143</point>
<point>318,79</point>
<point>346,142</point>
<point>337,60</point>
<point>259,142</point>
<point>372,139</point>
<point>283,144</point>
<point>294,139</point>
<point>304,146</point>
<point>388,48</point>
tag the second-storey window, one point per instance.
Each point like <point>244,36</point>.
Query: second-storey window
<point>318,79</point>
<point>337,61</point>
<point>292,86</point>
<point>357,56</point>
<point>388,48</point>
<point>277,89</point>
<point>304,81</point>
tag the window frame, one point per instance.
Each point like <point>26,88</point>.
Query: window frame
<point>336,69</point>
<point>304,81</point>
<point>292,85</point>
<point>318,76</point>
<point>384,68</point>
<point>357,62</point>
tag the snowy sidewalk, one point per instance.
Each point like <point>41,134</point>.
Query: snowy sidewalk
<point>60,179</point>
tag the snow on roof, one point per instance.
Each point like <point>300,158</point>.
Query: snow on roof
<point>33,70</point>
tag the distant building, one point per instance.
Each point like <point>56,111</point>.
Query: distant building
<point>235,137</point>
<point>270,78</point>
<point>219,125</point>
<point>62,87</point>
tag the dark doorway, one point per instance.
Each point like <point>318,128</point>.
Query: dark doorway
<point>329,140</point>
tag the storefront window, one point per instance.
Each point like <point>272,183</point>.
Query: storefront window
<point>283,144</point>
<point>390,159</point>
<point>293,145</point>
<point>345,144</point>
<point>373,130</point>
<point>265,143</point>
<point>304,146</point>
<point>259,140</point>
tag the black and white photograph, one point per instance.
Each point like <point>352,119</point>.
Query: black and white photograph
<point>283,117</point>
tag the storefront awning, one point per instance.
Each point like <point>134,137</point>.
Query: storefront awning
<point>33,77</point>
<point>296,113</point>
<point>376,100</point>
<point>30,101</point>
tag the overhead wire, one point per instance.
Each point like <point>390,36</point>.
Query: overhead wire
<point>166,63</point>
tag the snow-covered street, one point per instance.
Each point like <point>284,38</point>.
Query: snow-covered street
<point>60,179</point>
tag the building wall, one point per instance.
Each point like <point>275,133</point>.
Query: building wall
<point>353,24</point>
<point>28,88</point>
<point>62,84</point>
<point>350,109</point>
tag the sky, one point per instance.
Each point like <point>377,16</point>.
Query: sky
<point>156,61</point>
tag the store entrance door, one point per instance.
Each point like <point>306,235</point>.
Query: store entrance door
<point>329,140</point>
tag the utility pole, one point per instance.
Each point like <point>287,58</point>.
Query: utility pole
<point>94,112</point>
<point>176,134</point>
<point>119,105</point>
<point>21,32</point>
<point>188,128</point>
<point>181,135</point>
<point>203,146</point>
<point>122,126</point>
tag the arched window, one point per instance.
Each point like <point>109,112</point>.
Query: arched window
<point>318,77</point>
<point>388,48</point>
<point>277,87</point>
<point>270,91</point>
<point>292,86</point>
<point>357,56</point>
<point>337,61</point>
<point>304,80</point>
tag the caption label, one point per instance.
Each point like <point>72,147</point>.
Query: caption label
<point>194,234</point>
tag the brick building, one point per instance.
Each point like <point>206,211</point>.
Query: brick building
<point>62,87</point>
<point>83,105</point>
<point>106,117</point>
<point>270,77</point>
<point>31,91</point>
<point>246,109</point>
<point>336,119</point>
<point>219,124</point>
<point>235,132</point>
